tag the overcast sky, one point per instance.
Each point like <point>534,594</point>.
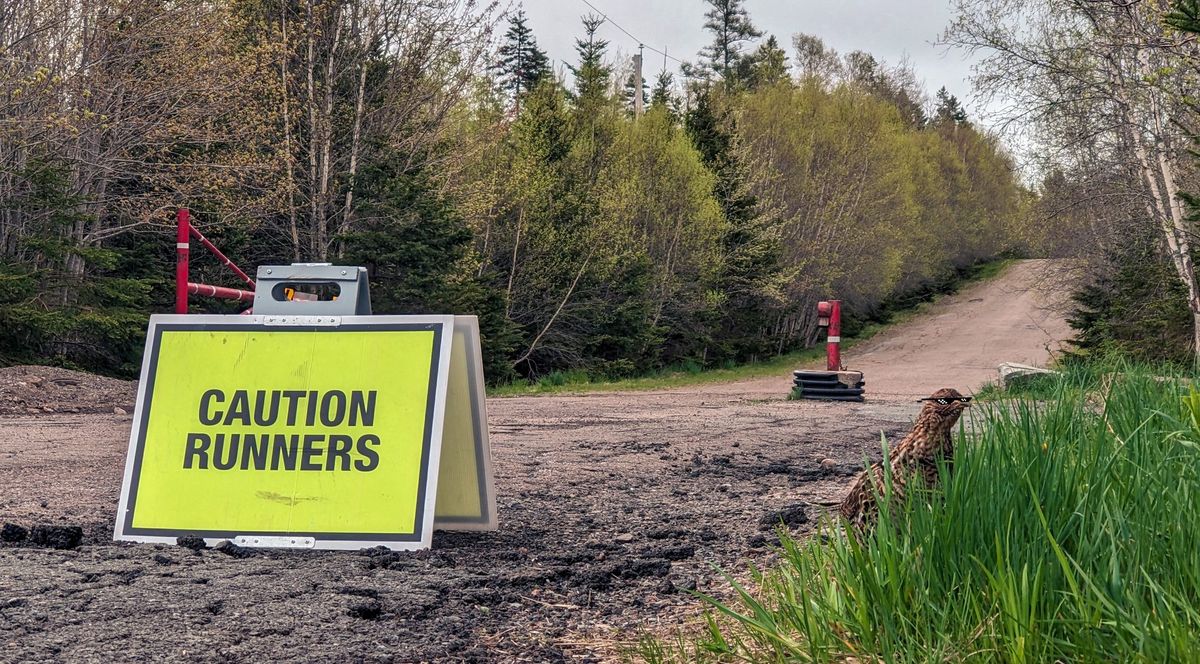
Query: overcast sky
<point>889,29</point>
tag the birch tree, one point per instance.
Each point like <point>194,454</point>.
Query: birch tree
<point>1094,81</point>
<point>142,106</point>
<point>374,76</point>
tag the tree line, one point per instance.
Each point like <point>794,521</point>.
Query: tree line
<point>434,142</point>
<point>1106,93</point>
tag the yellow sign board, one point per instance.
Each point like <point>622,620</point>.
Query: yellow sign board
<point>291,433</point>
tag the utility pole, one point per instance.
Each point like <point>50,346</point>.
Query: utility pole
<point>637,83</point>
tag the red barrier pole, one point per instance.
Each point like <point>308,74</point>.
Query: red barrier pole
<point>183,224</point>
<point>833,345</point>
<point>225,261</point>
<point>220,292</point>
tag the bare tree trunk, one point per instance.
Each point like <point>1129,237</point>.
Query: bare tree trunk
<point>1176,228</point>
<point>483,251</point>
<point>512,273</point>
<point>354,147</point>
<point>327,138</point>
<point>566,298</point>
<point>310,65</point>
<point>287,141</point>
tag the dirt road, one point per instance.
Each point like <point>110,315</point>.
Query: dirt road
<point>959,340</point>
<point>609,504</point>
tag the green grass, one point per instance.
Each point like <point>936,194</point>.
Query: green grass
<point>1069,531</point>
<point>692,373</point>
<point>988,270</point>
<point>1036,386</point>
<point>580,381</point>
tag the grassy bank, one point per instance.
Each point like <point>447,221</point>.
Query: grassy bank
<point>694,374</point>
<point>1068,531</point>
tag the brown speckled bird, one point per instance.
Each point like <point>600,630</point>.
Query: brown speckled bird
<point>918,452</point>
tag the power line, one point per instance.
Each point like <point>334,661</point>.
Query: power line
<point>630,34</point>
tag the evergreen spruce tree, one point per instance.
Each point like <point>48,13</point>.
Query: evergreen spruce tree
<point>49,315</point>
<point>863,69</point>
<point>949,111</point>
<point>592,75</point>
<point>417,250</point>
<point>896,86</point>
<point>522,64</point>
<point>766,66</point>
<point>663,96</point>
<point>752,279</point>
<point>593,119</point>
<point>729,23</point>
<point>1136,308</point>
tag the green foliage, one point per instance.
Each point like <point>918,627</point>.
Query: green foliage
<point>522,65</point>
<point>605,238</point>
<point>49,312</point>
<point>949,111</point>
<point>1185,16</point>
<point>1136,308</point>
<point>588,241</point>
<point>730,25</point>
<point>1038,386</point>
<point>660,193</point>
<point>663,95</point>
<point>592,74</point>
<point>1058,537</point>
<point>870,208</point>
<point>417,251</point>
<point>766,66</point>
<point>751,280</point>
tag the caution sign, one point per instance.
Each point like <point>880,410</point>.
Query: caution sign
<point>272,433</point>
<point>466,498</point>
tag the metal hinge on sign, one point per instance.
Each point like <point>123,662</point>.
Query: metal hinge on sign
<point>275,541</point>
<point>303,321</point>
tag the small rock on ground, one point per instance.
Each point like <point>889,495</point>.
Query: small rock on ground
<point>790,516</point>
<point>191,542</point>
<point>58,537</point>
<point>230,549</point>
<point>11,532</point>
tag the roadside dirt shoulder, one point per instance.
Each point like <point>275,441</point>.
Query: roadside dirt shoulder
<point>611,505</point>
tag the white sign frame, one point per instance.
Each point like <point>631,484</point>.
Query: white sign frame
<point>469,326</point>
<point>421,539</point>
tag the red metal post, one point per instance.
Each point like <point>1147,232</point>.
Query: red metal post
<point>182,231</point>
<point>833,345</point>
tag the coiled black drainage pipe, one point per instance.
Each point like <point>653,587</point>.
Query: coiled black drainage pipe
<point>826,386</point>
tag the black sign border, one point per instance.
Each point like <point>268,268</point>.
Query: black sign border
<point>422,487</point>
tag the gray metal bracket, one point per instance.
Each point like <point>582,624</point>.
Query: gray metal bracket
<point>353,299</point>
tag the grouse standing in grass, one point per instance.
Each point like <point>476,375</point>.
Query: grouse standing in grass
<point>917,453</point>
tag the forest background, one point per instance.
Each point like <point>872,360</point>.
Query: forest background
<point>433,142</point>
